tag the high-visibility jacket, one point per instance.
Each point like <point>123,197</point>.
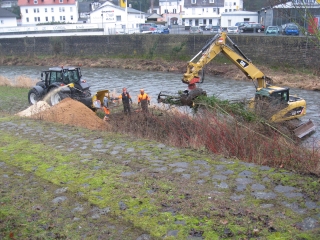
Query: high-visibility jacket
<point>125,97</point>
<point>106,110</point>
<point>143,97</point>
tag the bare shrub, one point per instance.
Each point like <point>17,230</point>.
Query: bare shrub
<point>20,81</point>
<point>4,81</point>
<point>221,135</point>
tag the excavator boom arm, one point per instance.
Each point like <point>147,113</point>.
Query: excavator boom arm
<point>211,50</point>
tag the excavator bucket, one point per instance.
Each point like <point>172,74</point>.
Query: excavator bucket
<point>304,129</point>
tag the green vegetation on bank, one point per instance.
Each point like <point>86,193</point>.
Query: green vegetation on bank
<point>150,201</point>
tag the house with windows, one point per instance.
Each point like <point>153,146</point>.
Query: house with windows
<point>195,12</point>
<point>170,11</point>
<point>112,17</point>
<point>34,12</point>
<point>7,18</point>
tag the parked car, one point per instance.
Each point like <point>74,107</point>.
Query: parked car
<point>208,27</point>
<point>147,27</point>
<point>216,29</point>
<point>291,30</point>
<point>252,27</point>
<point>233,29</point>
<point>239,24</point>
<point>272,30</point>
<point>161,30</point>
<point>195,30</point>
<point>283,27</point>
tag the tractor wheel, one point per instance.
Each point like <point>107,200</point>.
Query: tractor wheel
<point>34,96</point>
<point>57,97</point>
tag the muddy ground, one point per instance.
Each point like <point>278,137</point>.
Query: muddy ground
<point>290,77</point>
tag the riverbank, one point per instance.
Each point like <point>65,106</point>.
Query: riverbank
<point>98,184</point>
<point>128,188</point>
<point>290,77</point>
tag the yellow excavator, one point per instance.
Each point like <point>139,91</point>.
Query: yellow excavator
<point>285,107</point>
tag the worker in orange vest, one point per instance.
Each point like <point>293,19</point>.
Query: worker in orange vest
<point>143,100</point>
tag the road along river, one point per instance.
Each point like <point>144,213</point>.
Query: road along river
<point>155,82</point>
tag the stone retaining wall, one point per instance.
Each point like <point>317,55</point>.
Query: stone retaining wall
<point>275,51</point>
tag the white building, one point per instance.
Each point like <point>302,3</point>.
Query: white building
<point>231,18</point>
<point>7,18</point>
<point>195,12</point>
<point>45,11</point>
<point>110,16</point>
<point>170,10</point>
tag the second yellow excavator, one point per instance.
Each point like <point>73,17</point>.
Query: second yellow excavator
<point>285,107</point>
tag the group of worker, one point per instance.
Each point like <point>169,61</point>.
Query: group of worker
<point>143,102</point>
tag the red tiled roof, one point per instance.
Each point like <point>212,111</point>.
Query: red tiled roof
<point>44,2</point>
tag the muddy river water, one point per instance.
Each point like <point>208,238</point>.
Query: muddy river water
<point>155,82</point>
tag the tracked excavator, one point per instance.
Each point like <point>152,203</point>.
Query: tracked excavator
<point>283,106</point>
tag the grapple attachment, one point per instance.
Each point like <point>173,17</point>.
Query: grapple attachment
<point>182,98</point>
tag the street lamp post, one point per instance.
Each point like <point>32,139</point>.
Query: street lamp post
<point>265,17</point>
<point>140,10</point>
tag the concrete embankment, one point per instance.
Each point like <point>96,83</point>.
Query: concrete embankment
<point>279,51</point>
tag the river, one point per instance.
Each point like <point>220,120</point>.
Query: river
<point>155,82</point>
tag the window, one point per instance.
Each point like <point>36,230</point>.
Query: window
<point>214,9</point>
<point>26,10</point>
<point>45,10</point>
<point>118,18</point>
<point>174,10</point>
<point>193,1</point>
<point>46,19</point>
<point>166,11</point>
<point>1,22</point>
<point>60,1</point>
<point>27,19</point>
<point>71,17</point>
<point>35,1</point>
<point>218,10</point>
<point>62,18</point>
<point>61,9</point>
<point>211,1</point>
<point>34,10</point>
<point>35,19</point>
<point>234,3</point>
<point>52,18</point>
<point>71,9</point>
<point>52,9</point>
<point>38,19</point>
